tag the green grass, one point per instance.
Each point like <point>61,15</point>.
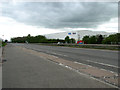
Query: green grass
<point>94,47</point>
<point>4,44</point>
<point>116,48</point>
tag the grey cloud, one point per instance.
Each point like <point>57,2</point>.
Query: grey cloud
<point>61,14</point>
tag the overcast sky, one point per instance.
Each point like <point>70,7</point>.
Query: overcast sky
<point>38,18</point>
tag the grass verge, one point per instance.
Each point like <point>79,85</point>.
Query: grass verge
<point>104,47</point>
<point>4,44</point>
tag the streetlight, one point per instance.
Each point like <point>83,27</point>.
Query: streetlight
<point>78,37</point>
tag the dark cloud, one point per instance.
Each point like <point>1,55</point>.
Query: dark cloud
<point>61,14</point>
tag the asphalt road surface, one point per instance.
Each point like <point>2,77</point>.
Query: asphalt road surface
<point>106,59</point>
<point>24,70</point>
<point>0,68</point>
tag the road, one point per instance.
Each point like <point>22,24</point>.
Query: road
<point>105,59</point>
<point>0,67</point>
<point>25,70</point>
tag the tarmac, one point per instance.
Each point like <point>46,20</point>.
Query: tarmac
<point>0,68</point>
<point>28,69</point>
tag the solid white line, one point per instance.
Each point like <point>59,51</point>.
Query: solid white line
<point>98,49</point>
<point>99,68</point>
<point>86,74</point>
<point>103,64</point>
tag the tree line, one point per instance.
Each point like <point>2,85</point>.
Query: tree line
<point>95,39</point>
<point>40,39</point>
<point>34,39</point>
<point>102,39</point>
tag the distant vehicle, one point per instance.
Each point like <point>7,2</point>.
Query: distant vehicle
<point>59,43</point>
<point>26,42</point>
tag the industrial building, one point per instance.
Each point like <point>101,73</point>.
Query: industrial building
<point>77,35</point>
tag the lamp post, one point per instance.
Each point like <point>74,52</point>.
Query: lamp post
<point>78,37</point>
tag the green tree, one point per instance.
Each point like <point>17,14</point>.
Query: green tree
<point>99,39</point>
<point>112,39</point>
<point>28,38</point>
<point>86,39</point>
<point>6,41</point>
<point>29,35</point>
<point>72,40</point>
<point>67,39</point>
<point>93,40</point>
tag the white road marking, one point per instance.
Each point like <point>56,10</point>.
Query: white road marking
<point>64,55</point>
<point>97,49</point>
<point>83,64</point>
<point>103,64</point>
<point>99,68</point>
<point>87,74</point>
<point>58,54</point>
<point>53,56</point>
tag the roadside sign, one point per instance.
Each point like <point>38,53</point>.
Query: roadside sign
<point>69,33</point>
<point>73,33</point>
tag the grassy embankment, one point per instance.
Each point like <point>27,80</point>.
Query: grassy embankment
<point>3,44</point>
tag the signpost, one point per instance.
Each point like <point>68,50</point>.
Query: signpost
<point>78,37</point>
<point>69,33</point>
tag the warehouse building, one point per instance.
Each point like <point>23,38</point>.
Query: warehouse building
<point>77,35</point>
